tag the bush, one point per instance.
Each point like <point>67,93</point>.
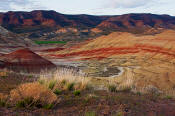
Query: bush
<point>90,114</point>
<point>20,104</point>
<point>52,84</point>
<point>168,97</point>
<point>3,99</point>
<point>112,88</point>
<point>48,106</point>
<point>2,103</point>
<point>64,79</point>
<point>34,92</point>
<point>77,92</point>
<point>70,86</point>
<point>57,91</point>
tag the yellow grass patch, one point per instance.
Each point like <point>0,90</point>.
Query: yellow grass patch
<point>35,91</point>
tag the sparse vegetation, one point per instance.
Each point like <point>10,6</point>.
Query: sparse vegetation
<point>76,92</point>
<point>65,80</point>
<point>112,88</point>
<point>2,103</point>
<point>34,91</point>
<point>69,86</point>
<point>90,113</point>
<point>52,84</point>
<point>48,106</point>
<point>57,91</point>
<point>168,97</point>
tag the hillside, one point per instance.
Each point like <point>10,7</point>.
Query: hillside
<point>149,59</point>
<point>25,59</point>
<point>8,38</point>
<point>51,25</point>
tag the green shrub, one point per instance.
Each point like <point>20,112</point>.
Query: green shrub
<point>112,88</point>
<point>2,103</point>
<point>120,114</point>
<point>57,91</point>
<point>63,82</point>
<point>41,82</point>
<point>52,84</point>
<point>27,102</point>
<point>139,93</point>
<point>48,106</point>
<point>126,89</point>
<point>30,76</point>
<point>70,86</point>
<point>77,92</point>
<point>90,114</point>
<point>168,97</point>
<point>20,104</point>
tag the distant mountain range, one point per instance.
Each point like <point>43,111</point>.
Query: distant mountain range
<point>44,25</point>
<point>13,20</point>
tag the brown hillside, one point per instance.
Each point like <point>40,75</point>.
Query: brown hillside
<point>150,58</point>
<point>27,60</point>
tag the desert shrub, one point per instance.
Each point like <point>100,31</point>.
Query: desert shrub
<point>70,86</point>
<point>34,91</point>
<point>120,114</point>
<point>2,103</point>
<point>27,102</point>
<point>168,97</point>
<point>76,92</point>
<point>65,79</point>
<point>3,74</point>
<point>3,99</point>
<point>124,88</point>
<point>41,82</point>
<point>152,90</point>
<point>20,104</point>
<point>90,114</point>
<point>57,91</point>
<point>48,106</point>
<point>112,88</point>
<point>52,84</point>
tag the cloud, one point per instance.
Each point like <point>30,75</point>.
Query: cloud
<point>128,3</point>
<point>6,5</point>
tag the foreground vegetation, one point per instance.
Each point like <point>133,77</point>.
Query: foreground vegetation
<point>65,92</point>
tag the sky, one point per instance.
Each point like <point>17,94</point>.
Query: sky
<point>93,7</point>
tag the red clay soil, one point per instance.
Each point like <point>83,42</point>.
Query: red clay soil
<point>106,52</point>
<point>52,50</point>
<point>26,59</point>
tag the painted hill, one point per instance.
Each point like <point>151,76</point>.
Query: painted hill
<point>8,38</point>
<point>25,59</point>
<point>149,59</point>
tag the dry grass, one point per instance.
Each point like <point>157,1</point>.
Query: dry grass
<point>35,91</point>
<point>63,79</point>
<point>3,97</point>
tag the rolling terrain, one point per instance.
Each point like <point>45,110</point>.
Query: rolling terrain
<point>51,25</point>
<point>147,58</point>
<point>121,65</point>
